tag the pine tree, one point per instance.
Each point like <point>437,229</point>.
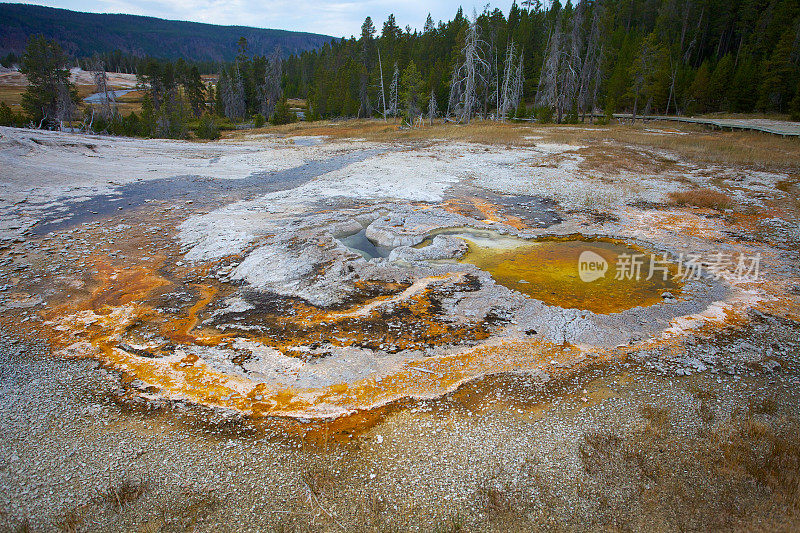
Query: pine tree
<point>429,27</point>
<point>367,32</point>
<point>780,76</point>
<point>700,89</point>
<point>411,91</point>
<point>721,80</point>
<point>50,97</point>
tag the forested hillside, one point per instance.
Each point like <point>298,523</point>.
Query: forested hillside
<point>665,56</point>
<point>87,34</point>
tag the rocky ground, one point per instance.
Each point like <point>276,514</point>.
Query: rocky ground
<point>189,343</point>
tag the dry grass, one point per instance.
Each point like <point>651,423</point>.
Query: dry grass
<point>117,496</point>
<point>692,142</point>
<point>702,197</point>
<point>182,512</point>
<point>319,480</point>
<point>11,94</point>
<point>297,102</point>
<point>736,475</point>
<point>750,149</point>
<point>114,498</point>
<point>741,473</point>
<point>770,116</point>
<point>616,159</point>
<point>380,131</point>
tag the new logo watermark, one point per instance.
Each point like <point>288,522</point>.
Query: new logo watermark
<point>592,266</point>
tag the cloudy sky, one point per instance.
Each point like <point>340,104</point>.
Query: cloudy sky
<point>332,17</point>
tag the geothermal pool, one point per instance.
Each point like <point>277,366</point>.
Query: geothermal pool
<point>548,271</point>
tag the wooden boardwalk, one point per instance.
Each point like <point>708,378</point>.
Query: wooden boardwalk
<point>783,128</point>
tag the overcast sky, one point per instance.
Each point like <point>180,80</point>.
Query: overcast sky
<point>331,17</point>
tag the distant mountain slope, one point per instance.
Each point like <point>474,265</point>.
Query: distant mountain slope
<point>83,34</point>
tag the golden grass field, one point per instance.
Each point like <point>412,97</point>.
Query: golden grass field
<point>131,102</point>
<point>693,142</point>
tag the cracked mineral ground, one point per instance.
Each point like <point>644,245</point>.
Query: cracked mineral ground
<point>332,328</point>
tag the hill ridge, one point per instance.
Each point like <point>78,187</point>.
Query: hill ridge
<point>83,34</point>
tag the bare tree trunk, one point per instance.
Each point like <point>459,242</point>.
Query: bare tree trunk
<point>471,72</point>
<point>506,96</point>
<point>393,91</point>
<point>271,91</point>
<point>108,105</point>
<point>383,92</point>
<point>672,90</point>
<point>433,109</point>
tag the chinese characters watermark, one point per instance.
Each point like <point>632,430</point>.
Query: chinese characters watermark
<point>683,267</point>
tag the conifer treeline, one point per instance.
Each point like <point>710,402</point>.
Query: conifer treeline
<point>645,56</point>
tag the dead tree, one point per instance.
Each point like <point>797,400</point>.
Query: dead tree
<point>569,80</point>
<point>590,71</point>
<point>108,104</point>
<point>433,109</point>
<point>271,91</point>
<point>65,107</point>
<point>231,88</point>
<point>383,92</point>
<point>469,74</point>
<point>519,82</point>
<point>393,91</point>
<point>549,91</point>
<point>506,100</point>
<point>455,95</point>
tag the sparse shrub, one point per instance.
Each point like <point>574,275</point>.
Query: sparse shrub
<point>8,117</point>
<point>572,116</point>
<point>495,501</point>
<point>544,115</point>
<point>70,521</point>
<point>702,197</point>
<point>117,496</point>
<point>608,114</point>
<point>258,120</point>
<point>207,128</point>
<point>766,406</point>
<point>283,115</point>
<point>319,480</point>
<point>312,115</point>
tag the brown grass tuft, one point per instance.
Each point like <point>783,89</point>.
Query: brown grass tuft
<point>70,520</point>
<point>319,480</point>
<point>117,496</point>
<point>702,197</point>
